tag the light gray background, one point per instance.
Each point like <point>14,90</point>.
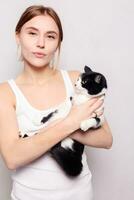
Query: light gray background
<point>99,34</point>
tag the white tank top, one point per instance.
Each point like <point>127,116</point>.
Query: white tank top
<point>44,172</point>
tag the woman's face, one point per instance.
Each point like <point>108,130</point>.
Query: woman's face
<point>38,39</point>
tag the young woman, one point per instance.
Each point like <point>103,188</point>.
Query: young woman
<point>39,88</point>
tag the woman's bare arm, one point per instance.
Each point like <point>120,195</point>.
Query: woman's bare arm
<point>21,151</point>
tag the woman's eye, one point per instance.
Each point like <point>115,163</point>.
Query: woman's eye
<point>32,33</point>
<point>51,37</point>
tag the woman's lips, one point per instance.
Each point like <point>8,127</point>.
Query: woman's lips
<point>39,55</point>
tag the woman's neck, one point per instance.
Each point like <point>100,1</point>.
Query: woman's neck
<point>36,75</point>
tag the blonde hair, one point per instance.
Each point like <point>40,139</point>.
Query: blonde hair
<point>37,10</point>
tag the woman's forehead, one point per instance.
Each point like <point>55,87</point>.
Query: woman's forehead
<point>42,23</point>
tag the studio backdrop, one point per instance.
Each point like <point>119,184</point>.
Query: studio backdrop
<point>98,34</point>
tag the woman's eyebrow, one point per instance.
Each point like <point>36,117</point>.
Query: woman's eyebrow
<point>51,31</point>
<point>32,28</point>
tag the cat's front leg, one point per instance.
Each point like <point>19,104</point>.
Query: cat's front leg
<point>93,122</point>
<point>87,124</point>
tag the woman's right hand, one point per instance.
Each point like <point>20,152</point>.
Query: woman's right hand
<point>84,111</point>
<point>79,113</point>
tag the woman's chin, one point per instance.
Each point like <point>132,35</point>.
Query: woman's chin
<point>38,64</point>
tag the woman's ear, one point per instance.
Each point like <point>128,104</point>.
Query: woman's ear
<point>17,38</point>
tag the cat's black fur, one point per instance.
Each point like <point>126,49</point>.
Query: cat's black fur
<point>68,152</point>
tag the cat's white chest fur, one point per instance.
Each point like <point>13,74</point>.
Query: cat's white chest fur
<point>79,98</point>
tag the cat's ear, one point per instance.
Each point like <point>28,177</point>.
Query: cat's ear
<point>98,78</point>
<point>87,69</point>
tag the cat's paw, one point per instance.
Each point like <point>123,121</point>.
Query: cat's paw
<point>84,125</point>
<point>87,124</point>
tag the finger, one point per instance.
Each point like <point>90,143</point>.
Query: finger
<point>97,113</point>
<point>96,105</point>
<point>92,101</point>
<point>102,96</point>
<point>100,108</point>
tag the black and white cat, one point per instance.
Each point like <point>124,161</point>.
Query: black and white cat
<point>90,84</point>
<point>68,152</point>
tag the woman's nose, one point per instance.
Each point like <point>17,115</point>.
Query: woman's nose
<point>41,42</point>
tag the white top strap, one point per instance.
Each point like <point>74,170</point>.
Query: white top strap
<point>13,86</point>
<point>16,93</point>
<point>68,82</point>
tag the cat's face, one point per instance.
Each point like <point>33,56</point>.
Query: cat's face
<point>92,83</point>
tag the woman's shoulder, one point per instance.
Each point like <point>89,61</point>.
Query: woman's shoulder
<point>6,94</point>
<point>4,88</point>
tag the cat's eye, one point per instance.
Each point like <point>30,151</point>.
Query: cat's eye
<point>98,79</point>
<point>84,81</point>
